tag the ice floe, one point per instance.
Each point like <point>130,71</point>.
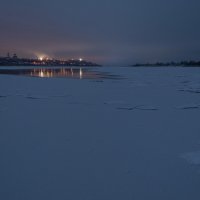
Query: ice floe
<point>139,107</point>
<point>188,107</point>
<point>192,157</point>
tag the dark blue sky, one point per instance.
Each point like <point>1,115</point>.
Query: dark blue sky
<point>105,31</point>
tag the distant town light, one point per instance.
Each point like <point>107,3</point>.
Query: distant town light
<point>80,59</point>
<point>41,58</point>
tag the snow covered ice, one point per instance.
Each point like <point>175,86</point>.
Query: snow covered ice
<point>100,134</point>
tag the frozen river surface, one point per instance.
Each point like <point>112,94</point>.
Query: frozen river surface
<point>107,133</point>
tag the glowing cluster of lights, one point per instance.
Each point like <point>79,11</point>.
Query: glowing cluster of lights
<point>41,58</point>
<point>44,57</point>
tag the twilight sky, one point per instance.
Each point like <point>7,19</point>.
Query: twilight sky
<point>105,31</point>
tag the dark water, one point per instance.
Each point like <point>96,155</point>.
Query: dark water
<point>76,73</point>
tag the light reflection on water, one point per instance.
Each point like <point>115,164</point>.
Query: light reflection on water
<point>77,73</point>
<point>63,72</point>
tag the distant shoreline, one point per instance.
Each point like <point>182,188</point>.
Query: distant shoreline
<point>44,62</point>
<point>169,64</point>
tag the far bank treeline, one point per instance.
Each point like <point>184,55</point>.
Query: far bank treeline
<point>169,64</point>
<point>15,61</point>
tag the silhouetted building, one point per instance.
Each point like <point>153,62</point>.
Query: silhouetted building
<point>8,55</point>
<point>15,56</point>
